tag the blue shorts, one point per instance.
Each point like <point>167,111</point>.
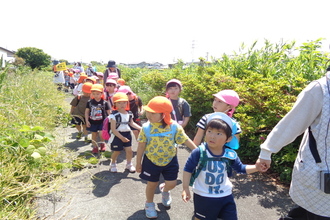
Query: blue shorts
<point>151,172</point>
<point>95,127</point>
<point>213,208</point>
<point>78,120</point>
<point>118,145</point>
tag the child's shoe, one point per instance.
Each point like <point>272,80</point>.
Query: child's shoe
<point>113,168</point>
<point>87,141</point>
<point>102,147</point>
<point>95,150</point>
<point>150,210</point>
<point>130,167</point>
<point>166,196</point>
<point>79,135</point>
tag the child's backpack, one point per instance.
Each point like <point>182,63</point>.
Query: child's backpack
<point>106,126</point>
<point>146,128</point>
<point>228,157</point>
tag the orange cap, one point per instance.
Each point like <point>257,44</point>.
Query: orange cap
<point>92,79</point>
<point>160,104</point>
<point>121,81</point>
<point>120,97</point>
<point>87,87</point>
<point>82,77</point>
<point>97,87</point>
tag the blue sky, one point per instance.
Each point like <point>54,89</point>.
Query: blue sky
<point>158,31</point>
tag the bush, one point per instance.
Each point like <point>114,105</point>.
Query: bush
<point>267,80</point>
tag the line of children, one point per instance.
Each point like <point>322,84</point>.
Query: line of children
<point>97,109</point>
<point>156,152</point>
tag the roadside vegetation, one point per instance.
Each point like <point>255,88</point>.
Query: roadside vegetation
<point>267,80</point>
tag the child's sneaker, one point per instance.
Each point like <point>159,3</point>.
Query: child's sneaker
<point>150,210</point>
<point>113,168</point>
<point>102,146</point>
<point>166,196</point>
<point>87,141</point>
<point>130,167</point>
<point>95,150</point>
<point>79,135</point>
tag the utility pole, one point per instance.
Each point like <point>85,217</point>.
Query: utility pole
<point>192,50</point>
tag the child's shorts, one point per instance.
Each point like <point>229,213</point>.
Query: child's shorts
<point>118,145</point>
<point>78,120</point>
<point>213,208</point>
<point>95,127</point>
<point>151,172</point>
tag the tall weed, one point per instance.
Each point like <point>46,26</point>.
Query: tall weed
<point>29,112</point>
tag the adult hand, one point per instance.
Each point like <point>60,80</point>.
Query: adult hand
<point>263,165</point>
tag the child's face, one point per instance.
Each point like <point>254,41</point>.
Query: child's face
<point>220,106</point>
<point>173,91</point>
<point>110,87</point>
<point>121,105</point>
<point>97,95</point>
<point>154,117</point>
<point>216,138</point>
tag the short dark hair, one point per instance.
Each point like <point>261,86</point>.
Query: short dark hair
<point>220,125</point>
<point>172,84</point>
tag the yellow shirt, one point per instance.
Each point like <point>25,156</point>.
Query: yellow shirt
<point>161,150</point>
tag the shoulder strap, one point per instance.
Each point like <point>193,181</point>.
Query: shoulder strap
<point>180,106</point>
<point>313,147</point>
<point>201,163</point>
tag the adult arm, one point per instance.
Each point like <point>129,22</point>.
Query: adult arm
<point>305,111</point>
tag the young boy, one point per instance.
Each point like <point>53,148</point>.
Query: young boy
<point>78,107</point>
<point>97,109</point>
<point>208,168</point>
<point>110,89</point>
<point>181,109</point>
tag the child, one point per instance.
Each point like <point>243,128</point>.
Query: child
<point>213,164</point>
<point>224,101</point>
<point>135,106</point>
<point>78,108</point>
<point>97,109</point>
<point>78,88</point>
<point>100,77</point>
<point>181,109</point>
<point>110,87</point>
<point>121,130</point>
<point>157,147</point>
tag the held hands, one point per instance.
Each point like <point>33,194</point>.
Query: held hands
<point>186,195</point>
<point>263,165</point>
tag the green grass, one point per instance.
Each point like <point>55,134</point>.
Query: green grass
<point>30,110</point>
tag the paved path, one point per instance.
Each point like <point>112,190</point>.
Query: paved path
<point>95,193</point>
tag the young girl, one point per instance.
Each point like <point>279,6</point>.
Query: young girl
<point>157,148</point>
<point>224,101</point>
<point>110,89</point>
<point>121,129</point>
<point>135,106</point>
<point>211,185</point>
<point>97,109</point>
